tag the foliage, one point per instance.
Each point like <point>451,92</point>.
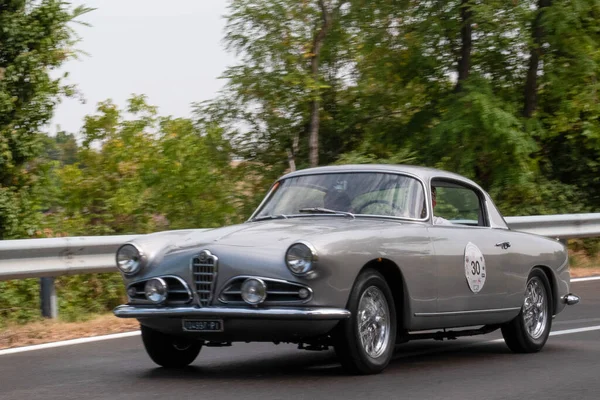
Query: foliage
<point>80,296</point>
<point>389,92</point>
<point>35,39</point>
<point>505,93</point>
<point>142,174</point>
<point>19,301</point>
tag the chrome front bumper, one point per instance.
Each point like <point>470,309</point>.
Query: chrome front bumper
<point>315,313</point>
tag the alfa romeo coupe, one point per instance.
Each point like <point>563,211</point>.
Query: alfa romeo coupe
<point>359,258</point>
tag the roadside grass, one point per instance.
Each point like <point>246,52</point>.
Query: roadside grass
<point>583,264</point>
<point>46,331</point>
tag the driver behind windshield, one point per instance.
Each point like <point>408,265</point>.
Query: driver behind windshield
<point>338,201</point>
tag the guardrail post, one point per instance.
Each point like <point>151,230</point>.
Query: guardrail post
<point>48,298</point>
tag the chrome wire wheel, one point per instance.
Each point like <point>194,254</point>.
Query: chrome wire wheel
<point>373,322</point>
<point>535,308</point>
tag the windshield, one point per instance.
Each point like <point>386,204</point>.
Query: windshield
<point>358,193</point>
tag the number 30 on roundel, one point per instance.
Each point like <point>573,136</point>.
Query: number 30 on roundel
<point>474,267</point>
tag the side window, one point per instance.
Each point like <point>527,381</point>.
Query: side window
<point>457,204</point>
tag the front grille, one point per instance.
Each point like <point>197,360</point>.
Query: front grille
<point>205,268</point>
<point>278,291</point>
<point>178,291</point>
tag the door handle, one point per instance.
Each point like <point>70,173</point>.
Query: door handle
<point>504,245</point>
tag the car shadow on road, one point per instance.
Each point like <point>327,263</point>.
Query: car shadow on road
<point>325,364</point>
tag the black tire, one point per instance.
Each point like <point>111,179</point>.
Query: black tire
<point>516,334</point>
<point>169,351</point>
<point>347,340</point>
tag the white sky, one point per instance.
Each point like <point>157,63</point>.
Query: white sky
<point>172,51</point>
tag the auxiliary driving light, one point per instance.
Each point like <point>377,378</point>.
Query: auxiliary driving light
<point>132,291</point>
<point>156,290</point>
<point>303,293</point>
<point>254,291</point>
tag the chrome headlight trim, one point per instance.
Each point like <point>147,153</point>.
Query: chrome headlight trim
<point>139,263</point>
<point>182,282</point>
<point>160,291</point>
<point>302,245</point>
<point>260,291</point>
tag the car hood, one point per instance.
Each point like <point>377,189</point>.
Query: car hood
<point>277,232</point>
<point>259,245</point>
<point>261,234</point>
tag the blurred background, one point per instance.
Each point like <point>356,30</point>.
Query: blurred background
<point>134,116</point>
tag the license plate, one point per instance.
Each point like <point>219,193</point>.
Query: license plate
<point>203,325</point>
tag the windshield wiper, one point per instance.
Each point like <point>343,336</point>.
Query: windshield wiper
<point>326,211</point>
<point>278,216</point>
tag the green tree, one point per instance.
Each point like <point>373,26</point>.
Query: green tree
<point>503,92</point>
<point>35,39</point>
<point>143,173</point>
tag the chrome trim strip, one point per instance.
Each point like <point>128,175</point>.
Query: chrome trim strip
<point>314,313</point>
<point>468,312</point>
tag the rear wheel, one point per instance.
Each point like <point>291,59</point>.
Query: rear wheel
<point>529,331</point>
<point>169,351</point>
<point>364,343</point>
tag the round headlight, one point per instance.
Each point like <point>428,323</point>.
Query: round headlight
<point>254,291</point>
<point>156,290</point>
<point>129,259</point>
<point>300,258</point>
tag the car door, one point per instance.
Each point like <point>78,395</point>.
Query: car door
<point>471,258</point>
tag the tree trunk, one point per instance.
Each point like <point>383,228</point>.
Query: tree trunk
<point>291,153</point>
<point>313,138</point>
<point>536,53</point>
<point>466,35</point>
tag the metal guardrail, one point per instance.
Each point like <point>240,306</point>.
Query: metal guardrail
<point>36,258</point>
<point>560,226</point>
<point>48,258</point>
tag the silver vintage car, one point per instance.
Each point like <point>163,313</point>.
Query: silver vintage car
<point>357,257</point>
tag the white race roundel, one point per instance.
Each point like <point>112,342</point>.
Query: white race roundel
<point>474,267</point>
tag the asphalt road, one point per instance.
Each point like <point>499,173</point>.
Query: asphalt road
<point>468,368</point>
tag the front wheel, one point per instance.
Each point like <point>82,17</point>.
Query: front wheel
<point>529,331</point>
<point>169,351</point>
<point>364,343</point>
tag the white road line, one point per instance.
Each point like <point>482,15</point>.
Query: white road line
<point>401,355</point>
<point>477,344</point>
<point>590,278</point>
<point>68,342</point>
<point>577,330</point>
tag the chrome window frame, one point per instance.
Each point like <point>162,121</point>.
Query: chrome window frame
<point>478,192</point>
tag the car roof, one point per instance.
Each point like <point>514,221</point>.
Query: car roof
<point>425,173</point>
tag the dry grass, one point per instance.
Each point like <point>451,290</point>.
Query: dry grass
<point>584,265</point>
<point>52,331</point>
